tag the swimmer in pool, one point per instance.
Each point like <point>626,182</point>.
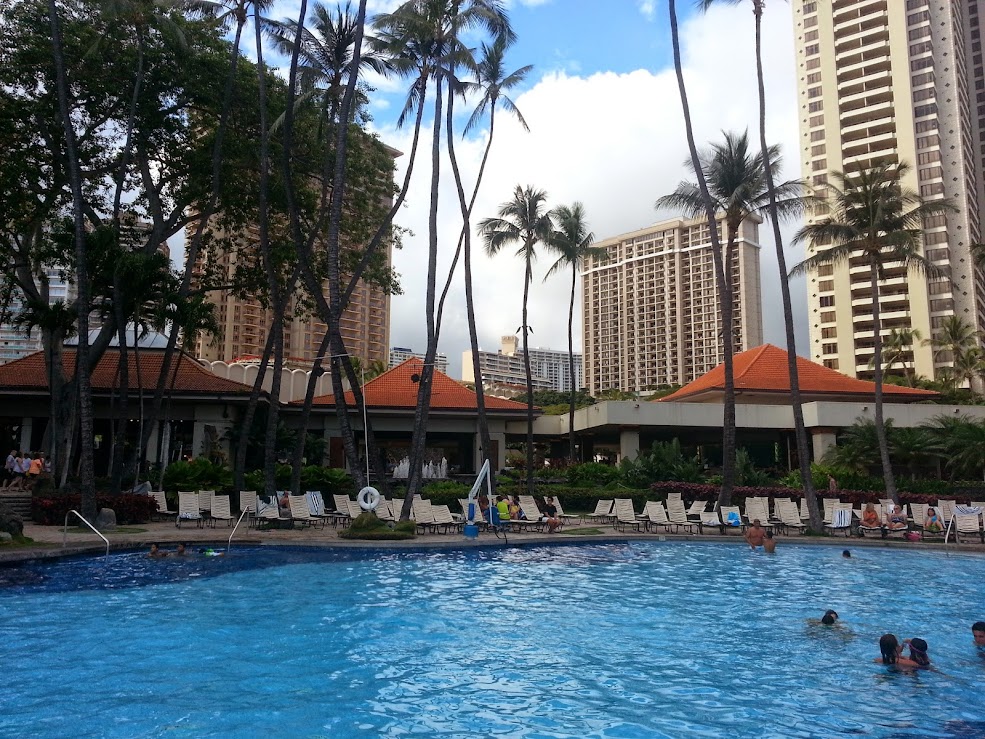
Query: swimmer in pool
<point>756,536</point>
<point>155,552</point>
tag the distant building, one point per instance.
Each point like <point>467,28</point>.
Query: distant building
<point>548,367</point>
<point>651,309</point>
<point>399,355</point>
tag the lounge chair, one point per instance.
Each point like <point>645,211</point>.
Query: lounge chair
<point>444,518</point>
<point>341,510</point>
<point>565,517</point>
<point>188,509</point>
<point>300,513</point>
<point>863,530</point>
<point>655,517</point>
<point>677,513</point>
<point>162,505</point>
<point>968,524</point>
<point>759,508</point>
<point>205,501</point>
<point>625,515</point>
<point>789,515</point>
<point>266,511</point>
<point>711,519</point>
<point>945,509</point>
<point>316,505</point>
<point>841,520</point>
<point>731,518</point>
<point>248,503</point>
<point>696,508</point>
<point>602,514</point>
<point>220,510</point>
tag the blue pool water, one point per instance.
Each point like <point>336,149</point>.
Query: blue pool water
<point>593,640</point>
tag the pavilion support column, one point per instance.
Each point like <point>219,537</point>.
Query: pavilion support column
<point>823,440</point>
<point>629,444</point>
<point>27,430</point>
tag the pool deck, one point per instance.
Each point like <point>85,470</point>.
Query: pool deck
<point>48,540</point>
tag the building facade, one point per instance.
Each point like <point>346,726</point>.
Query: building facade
<point>651,310</point>
<point>896,81</point>
<point>548,367</point>
<point>399,355</point>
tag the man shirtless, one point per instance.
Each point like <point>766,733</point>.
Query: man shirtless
<point>755,535</point>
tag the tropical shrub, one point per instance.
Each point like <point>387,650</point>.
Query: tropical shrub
<point>662,461</point>
<point>591,474</point>
<point>198,474</point>
<point>368,526</point>
<point>329,480</point>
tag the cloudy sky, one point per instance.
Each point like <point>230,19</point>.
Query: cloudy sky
<point>605,129</point>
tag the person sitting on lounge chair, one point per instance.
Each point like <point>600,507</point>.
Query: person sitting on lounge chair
<point>870,517</point>
<point>933,524</point>
<point>503,507</point>
<point>516,513</point>
<point>550,515</point>
<point>895,519</point>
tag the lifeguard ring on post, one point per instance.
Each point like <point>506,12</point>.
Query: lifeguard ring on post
<point>368,498</point>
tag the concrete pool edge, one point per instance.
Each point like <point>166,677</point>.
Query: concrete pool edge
<point>49,549</point>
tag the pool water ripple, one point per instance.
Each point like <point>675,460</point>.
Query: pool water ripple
<point>595,640</point>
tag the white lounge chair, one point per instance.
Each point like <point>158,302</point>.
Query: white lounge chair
<point>266,511</point>
<point>220,510</point>
<point>602,514</point>
<point>341,510</point>
<point>841,520</point>
<point>443,518</point>
<point>789,515</point>
<point>678,514</point>
<point>565,517</point>
<point>625,515</point>
<point>696,508</point>
<point>162,505</point>
<point>188,509</point>
<point>731,518</point>
<point>248,502</point>
<point>968,524</point>
<point>205,501</point>
<point>711,520</point>
<point>300,513</point>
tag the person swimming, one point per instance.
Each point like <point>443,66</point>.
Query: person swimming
<point>829,618</point>
<point>892,652</point>
<point>846,554</point>
<point>918,651</point>
<point>155,552</point>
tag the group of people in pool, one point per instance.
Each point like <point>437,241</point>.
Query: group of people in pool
<point>892,649</point>
<point>759,539</point>
<point>157,553</point>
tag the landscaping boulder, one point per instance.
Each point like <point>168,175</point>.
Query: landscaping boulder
<point>11,522</point>
<point>5,537</point>
<point>106,519</point>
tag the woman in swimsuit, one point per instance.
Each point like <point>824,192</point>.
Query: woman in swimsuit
<point>870,518</point>
<point>896,518</point>
<point>892,652</point>
<point>933,523</point>
<point>918,652</point>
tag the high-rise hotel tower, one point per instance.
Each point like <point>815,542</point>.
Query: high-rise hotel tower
<point>899,81</point>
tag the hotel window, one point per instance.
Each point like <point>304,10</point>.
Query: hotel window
<point>817,150</point>
<point>829,348</point>
<point>938,255</point>
<point>810,22</point>
<point>940,237</point>
<point>819,179</point>
<point>937,288</point>
<point>819,105</point>
<point>923,79</point>
<point>926,141</point>
<point>924,126</point>
<point>829,333</point>
<point>936,306</point>
<point>810,36</point>
<point>922,110</point>
<point>816,120</point>
<point>826,286</point>
<point>825,270</point>
<point>914,4</point>
<point>922,47</point>
<point>918,17</point>
<point>818,165</point>
<point>827,301</point>
<point>924,94</point>
<point>927,157</point>
<point>813,63</point>
<point>810,8</point>
<point>921,63</point>
<point>813,78</point>
<point>931,173</point>
<point>831,363</point>
<point>812,49</point>
<point>817,135</point>
<point>814,92</point>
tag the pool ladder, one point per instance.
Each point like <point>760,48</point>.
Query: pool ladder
<point>82,519</point>
<point>241,516</point>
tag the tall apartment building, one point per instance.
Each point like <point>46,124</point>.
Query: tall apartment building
<point>651,309</point>
<point>898,81</point>
<point>399,355</point>
<point>549,368</point>
<point>244,322</point>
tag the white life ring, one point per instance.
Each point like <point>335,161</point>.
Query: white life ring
<point>369,498</point>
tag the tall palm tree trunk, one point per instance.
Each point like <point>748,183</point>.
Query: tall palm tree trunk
<point>82,370</point>
<point>138,82</point>
<point>123,393</point>
<point>881,436</point>
<point>528,277</point>
<point>800,429</point>
<point>728,425</point>
<point>273,409</point>
<point>246,423</point>
<point>571,367</point>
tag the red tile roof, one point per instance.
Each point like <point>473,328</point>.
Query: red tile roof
<point>397,388</point>
<point>764,370</point>
<point>29,373</point>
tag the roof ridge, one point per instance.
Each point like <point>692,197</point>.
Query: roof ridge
<point>759,352</point>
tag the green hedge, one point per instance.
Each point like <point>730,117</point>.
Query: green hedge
<point>129,509</point>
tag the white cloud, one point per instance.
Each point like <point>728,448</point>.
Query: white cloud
<point>613,141</point>
<point>647,8</point>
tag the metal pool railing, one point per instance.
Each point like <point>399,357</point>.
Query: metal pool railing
<point>230,542</point>
<point>82,519</point>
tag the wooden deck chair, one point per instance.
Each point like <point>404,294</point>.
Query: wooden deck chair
<point>205,500</point>
<point>221,511</point>
<point>188,509</point>
<point>711,520</point>
<point>300,513</point>
<point>603,512</point>
<point>731,518</point>
<point>968,524</point>
<point>696,508</point>
<point>162,511</point>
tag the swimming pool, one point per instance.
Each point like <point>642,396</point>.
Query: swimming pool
<point>591,640</point>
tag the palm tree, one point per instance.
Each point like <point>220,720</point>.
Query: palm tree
<point>968,366</point>
<point>913,448</point>
<point>953,338</point>
<point>426,38</point>
<point>898,349</point>
<point>492,79</point>
<point>858,447</point>
<point>878,219</point>
<point>961,441</point>
<point>572,241</point>
<point>736,183</point>
<point>524,220</point>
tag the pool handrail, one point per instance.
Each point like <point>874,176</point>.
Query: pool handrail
<point>229,543</point>
<point>82,519</point>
